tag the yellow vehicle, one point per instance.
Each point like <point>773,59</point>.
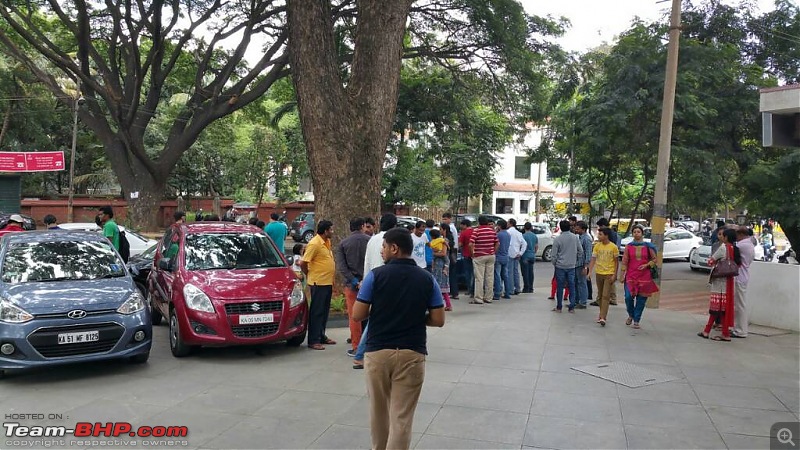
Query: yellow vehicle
<point>621,225</point>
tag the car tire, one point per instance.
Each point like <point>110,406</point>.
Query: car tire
<point>142,289</point>
<point>547,253</point>
<point>176,345</point>
<point>307,236</point>
<point>155,314</point>
<point>689,258</point>
<point>297,340</point>
<point>141,358</point>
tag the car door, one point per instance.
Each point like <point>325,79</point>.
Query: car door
<point>164,279</point>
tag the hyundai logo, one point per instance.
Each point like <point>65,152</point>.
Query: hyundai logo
<point>76,314</point>
<point>255,307</point>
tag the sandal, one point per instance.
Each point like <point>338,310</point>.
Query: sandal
<point>636,326</point>
<point>702,335</point>
<point>329,341</point>
<point>358,366</point>
<point>558,310</point>
<point>448,309</point>
<point>629,321</point>
<point>316,347</point>
<point>475,302</point>
<point>602,322</point>
<point>720,338</point>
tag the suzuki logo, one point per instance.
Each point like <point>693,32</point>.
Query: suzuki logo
<point>76,314</point>
<point>255,307</point>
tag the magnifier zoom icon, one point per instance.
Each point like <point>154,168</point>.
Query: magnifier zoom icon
<point>784,436</point>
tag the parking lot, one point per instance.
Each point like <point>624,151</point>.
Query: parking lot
<point>498,376</point>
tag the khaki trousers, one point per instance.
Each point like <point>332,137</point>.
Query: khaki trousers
<point>741,316</point>
<point>604,289</point>
<point>484,277</point>
<point>394,382</point>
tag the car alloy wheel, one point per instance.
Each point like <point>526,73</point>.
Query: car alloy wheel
<point>547,253</point>
<point>176,345</point>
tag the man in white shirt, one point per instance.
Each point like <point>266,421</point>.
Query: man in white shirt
<point>372,259</point>
<point>748,254</point>
<point>515,251</point>
<point>420,239</point>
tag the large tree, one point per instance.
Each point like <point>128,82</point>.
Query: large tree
<point>128,57</point>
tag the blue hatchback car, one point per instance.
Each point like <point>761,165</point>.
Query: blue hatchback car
<point>67,297</point>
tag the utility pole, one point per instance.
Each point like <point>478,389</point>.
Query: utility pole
<point>664,144</point>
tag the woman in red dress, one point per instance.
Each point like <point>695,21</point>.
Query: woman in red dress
<point>721,299</point>
<point>638,259</point>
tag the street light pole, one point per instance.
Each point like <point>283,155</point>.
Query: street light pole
<point>664,143</point>
<point>76,103</point>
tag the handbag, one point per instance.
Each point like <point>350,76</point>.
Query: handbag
<point>725,267</point>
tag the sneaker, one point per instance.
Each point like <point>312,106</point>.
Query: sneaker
<point>602,322</point>
<point>351,353</point>
<point>581,306</point>
<point>594,304</point>
<point>598,320</point>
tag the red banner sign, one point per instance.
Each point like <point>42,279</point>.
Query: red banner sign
<point>31,161</point>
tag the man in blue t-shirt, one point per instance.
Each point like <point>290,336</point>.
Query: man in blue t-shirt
<point>400,300</point>
<point>529,258</point>
<point>276,230</point>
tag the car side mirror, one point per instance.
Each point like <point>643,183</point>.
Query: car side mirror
<point>165,264</point>
<point>667,238</point>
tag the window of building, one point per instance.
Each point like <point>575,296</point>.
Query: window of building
<point>522,168</point>
<point>523,206</point>
<point>504,206</point>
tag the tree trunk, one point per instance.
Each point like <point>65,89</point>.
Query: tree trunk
<point>346,129</point>
<point>134,178</point>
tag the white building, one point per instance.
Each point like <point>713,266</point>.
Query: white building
<point>517,182</point>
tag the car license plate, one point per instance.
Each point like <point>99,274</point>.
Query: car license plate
<point>78,338</point>
<point>250,319</point>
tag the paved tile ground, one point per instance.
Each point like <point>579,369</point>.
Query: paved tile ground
<point>498,376</point>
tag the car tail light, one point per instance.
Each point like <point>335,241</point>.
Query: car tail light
<point>302,223</point>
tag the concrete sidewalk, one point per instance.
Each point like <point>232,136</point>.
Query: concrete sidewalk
<point>498,376</point>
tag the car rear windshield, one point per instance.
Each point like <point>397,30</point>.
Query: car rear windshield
<point>230,251</point>
<point>60,261</point>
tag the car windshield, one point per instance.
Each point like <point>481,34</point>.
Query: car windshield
<point>230,251</point>
<point>59,261</point>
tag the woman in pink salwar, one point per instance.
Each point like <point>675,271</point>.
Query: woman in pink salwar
<point>638,258</point>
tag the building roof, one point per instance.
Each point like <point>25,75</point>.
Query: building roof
<point>521,187</point>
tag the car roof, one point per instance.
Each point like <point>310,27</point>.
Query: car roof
<point>219,227</point>
<point>53,236</point>
<point>85,226</point>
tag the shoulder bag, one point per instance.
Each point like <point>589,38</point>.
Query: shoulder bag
<point>725,267</point>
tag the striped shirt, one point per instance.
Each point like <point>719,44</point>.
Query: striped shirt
<point>484,239</point>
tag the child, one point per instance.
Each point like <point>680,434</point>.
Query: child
<point>441,263</point>
<point>605,264</point>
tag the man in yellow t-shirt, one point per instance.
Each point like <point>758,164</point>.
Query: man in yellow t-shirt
<point>604,263</point>
<point>319,268</point>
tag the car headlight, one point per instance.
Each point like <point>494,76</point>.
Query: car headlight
<point>12,313</point>
<point>134,303</point>
<point>197,299</point>
<point>296,296</point>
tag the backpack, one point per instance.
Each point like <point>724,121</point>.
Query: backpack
<point>124,246</point>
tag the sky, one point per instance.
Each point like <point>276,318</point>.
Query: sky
<point>598,21</point>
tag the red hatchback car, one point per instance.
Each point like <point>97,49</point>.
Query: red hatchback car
<point>223,283</point>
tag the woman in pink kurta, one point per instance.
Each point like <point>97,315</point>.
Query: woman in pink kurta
<point>638,258</point>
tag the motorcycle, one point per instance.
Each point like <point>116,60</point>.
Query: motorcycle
<point>769,253</point>
<point>788,257</point>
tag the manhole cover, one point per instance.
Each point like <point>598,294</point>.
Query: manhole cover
<point>626,374</point>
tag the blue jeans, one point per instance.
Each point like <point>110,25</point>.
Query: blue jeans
<point>635,306</point>
<point>565,278</point>
<point>502,277</point>
<point>469,275</point>
<point>527,274</point>
<point>581,288</point>
<point>362,346</point>
<point>514,272</point>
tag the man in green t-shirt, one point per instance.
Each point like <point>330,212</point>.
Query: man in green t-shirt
<point>110,228</point>
<point>276,230</point>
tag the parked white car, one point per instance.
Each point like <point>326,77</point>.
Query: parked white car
<point>545,236</point>
<point>678,243</point>
<point>698,259</point>
<point>137,242</point>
